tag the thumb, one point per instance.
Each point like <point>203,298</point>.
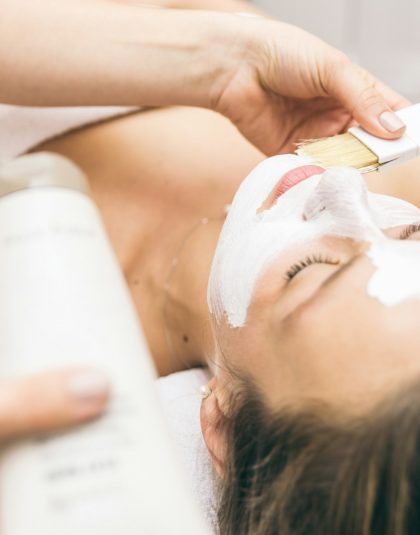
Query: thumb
<point>51,400</point>
<point>358,91</point>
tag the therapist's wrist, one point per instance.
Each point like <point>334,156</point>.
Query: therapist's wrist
<point>238,57</point>
<point>224,50</point>
<point>185,57</point>
<point>173,56</point>
<point>207,48</point>
<point>233,6</point>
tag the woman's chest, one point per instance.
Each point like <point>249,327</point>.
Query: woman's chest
<point>156,173</point>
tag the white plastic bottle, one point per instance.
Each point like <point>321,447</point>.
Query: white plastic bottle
<point>63,301</point>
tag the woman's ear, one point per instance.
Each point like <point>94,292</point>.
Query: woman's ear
<point>211,418</point>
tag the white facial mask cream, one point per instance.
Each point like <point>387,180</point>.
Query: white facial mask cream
<point>335,202</point>
<point>396,277</point>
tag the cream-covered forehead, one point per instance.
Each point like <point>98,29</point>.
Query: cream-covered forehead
<point>396,277</point>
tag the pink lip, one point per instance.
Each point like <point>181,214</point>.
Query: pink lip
<point>294,176</point>
<point>290,179</point>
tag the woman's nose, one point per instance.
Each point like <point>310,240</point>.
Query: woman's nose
<point>343,194</point>
<point>340,188</point>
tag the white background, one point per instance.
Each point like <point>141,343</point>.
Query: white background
<point>381,35</point>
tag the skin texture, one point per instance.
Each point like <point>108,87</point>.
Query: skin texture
<point>322,337</point>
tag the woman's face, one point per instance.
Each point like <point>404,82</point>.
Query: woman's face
<point>315,286</point>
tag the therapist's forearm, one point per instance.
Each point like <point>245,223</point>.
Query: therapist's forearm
<point>104,53</point>
<point>238,6</point>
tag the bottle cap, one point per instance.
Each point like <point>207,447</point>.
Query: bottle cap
<point>42,169</point>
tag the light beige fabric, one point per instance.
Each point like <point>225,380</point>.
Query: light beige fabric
<point>23,128</point>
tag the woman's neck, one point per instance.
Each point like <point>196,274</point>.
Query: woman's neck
<point>187,316</point>
<point>179,299</point>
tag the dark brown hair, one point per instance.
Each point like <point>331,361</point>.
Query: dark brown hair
<point>307,473</point>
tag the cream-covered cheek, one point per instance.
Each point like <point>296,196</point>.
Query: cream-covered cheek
<point>335,203</point>
<point>396,278</point>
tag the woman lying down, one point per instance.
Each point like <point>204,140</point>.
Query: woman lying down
<point>303,301</point>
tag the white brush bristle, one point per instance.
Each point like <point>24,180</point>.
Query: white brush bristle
<point>341,150</point>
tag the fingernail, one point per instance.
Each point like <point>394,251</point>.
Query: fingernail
<point>89,384</point>
<point>390,121</point>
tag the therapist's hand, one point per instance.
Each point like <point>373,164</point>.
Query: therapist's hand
<point>51,401</point>
<point>289,85</point>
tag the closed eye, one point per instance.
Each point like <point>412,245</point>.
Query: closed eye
<point>408,231</point>
<point>296,268</point>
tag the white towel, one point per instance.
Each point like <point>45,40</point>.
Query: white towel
<point>181,399</point>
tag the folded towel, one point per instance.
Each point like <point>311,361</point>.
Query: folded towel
<point>181,398</point>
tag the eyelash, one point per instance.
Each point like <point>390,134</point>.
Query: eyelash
<point>308,261</point>
<point>319,259</point>
<point>408,231</point>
